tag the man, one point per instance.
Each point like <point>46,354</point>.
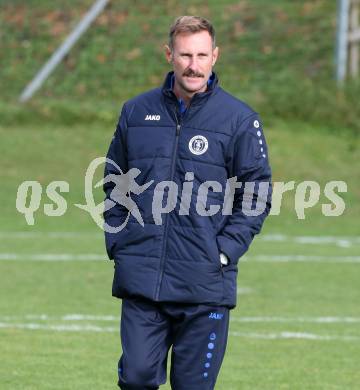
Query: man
<point>176,272</point>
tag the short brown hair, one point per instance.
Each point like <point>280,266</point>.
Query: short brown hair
<point>190,24</point>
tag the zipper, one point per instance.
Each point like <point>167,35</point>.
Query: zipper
<point>162,258</point>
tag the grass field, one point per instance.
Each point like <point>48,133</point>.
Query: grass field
<point>296,325</point>
<point>278,56</point>
<point>297,322</point>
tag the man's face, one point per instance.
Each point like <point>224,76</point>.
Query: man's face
<point>192,58</point>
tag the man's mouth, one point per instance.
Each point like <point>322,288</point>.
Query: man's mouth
<point>193,76</point>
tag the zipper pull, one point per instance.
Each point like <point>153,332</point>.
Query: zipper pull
<point>177,129</point>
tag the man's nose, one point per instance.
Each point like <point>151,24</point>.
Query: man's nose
<point>193,64</point>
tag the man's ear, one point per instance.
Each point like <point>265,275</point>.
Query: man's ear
<point>168,54</point>
<point>215,55</point>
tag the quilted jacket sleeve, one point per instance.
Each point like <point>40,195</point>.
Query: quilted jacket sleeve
<point>247,159</point>
<point>118,153</point>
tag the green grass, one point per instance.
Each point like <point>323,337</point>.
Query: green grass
<point>278,56</point>
<point>49,359</point>
<point>40,359</point>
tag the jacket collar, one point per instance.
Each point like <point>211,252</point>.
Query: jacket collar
<point>198,98</point>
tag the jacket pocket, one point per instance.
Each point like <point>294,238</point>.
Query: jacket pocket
<point>117,288</point>
<point>214,252</point>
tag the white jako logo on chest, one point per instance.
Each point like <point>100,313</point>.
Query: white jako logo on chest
<point>152,117</point>
<point>198,144</point>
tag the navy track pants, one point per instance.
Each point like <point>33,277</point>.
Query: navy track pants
<point>197,334</point>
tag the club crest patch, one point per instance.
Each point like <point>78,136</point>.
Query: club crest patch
<point>198,144</point>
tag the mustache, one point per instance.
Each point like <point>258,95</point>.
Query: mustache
<point>190,73</point>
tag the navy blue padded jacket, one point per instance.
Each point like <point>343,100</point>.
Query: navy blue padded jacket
<point>217,138</point>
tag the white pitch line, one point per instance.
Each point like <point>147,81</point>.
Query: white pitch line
<point>294,335</point>
<point>31,235</point>
<point>342,241</point>
<point>87,317</point>
<point>260,319</point>
<point>301,258</point>
<point>58,328</point>
<point>256,258</point>
<point>314,320</point>
<point>52,256</point>
<point>66,317</point>
<point>251,335</point>
<point>244,290</point>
